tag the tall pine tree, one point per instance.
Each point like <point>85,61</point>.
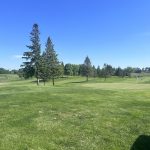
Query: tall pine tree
<point>33,55</point>
<point>43,73</point>
<point>87,67</point>
<point>53,65</point>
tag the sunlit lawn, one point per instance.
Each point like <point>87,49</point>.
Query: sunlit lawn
<point>74,115</point>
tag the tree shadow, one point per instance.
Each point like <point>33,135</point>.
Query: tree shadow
<point>79,82</point>
<point>35,81</point>
<point>141,143</point>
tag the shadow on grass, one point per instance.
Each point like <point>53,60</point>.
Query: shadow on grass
<point>79,82</point>
<point>141,143</point>
<point>35,81</point>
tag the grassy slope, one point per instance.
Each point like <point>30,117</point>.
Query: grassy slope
<point>74,114</point>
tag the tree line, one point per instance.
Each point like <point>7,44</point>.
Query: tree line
<point>106,71</point>
<point>6,71</point>
<point>46,66</point>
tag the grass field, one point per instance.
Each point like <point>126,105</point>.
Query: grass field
<point>73,115</point>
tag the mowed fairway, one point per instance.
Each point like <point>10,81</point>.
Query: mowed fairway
<point>73,115</point>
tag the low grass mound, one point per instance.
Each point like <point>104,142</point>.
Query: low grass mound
<point>99,115</point>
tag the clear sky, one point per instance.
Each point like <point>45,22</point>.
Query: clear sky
<point>116,32</point>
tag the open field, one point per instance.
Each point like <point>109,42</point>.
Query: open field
<point>73,115</point>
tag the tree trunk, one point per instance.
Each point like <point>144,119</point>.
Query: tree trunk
<point>87,78</point>
<point>37,81</point>
<point>105,77</point>
<point>53,82</point>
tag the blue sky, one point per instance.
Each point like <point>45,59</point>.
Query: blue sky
<point>116,32</point>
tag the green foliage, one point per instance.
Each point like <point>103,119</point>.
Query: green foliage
<point>75,69</point>
<point>71,69</point>
<point>128,71</point>
<point>43,69</point>
<point>68,69</point>
<point>4,71</point>
<point>46,66</point>
<point>120,72</point>
<point>98,71</point>
<point>61,69</point>
<point>107,71</point>
<point>32,56</point>
<point>52,66</point>
<point>28,71</point>
<point>94,71</point>
<point>86,68</point>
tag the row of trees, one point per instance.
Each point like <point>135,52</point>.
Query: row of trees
<point>46,65</point>
<point>6,71</point>
<point>106,71</point>
<point>84,69</point>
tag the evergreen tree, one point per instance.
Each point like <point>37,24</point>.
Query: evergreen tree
<point>28,71</point>
<point>53,65</point>
<point>32,57</point>
<point>43,73</point>
<point>94,71</point>
<point>61,69</point>
<point>87,67</point>
<point>107,71</point>
<point>119,72</point>
<point>98,71</point>
<point>81,70</point>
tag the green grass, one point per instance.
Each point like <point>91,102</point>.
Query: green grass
<point>8,77</point>
<point>74,115</point>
